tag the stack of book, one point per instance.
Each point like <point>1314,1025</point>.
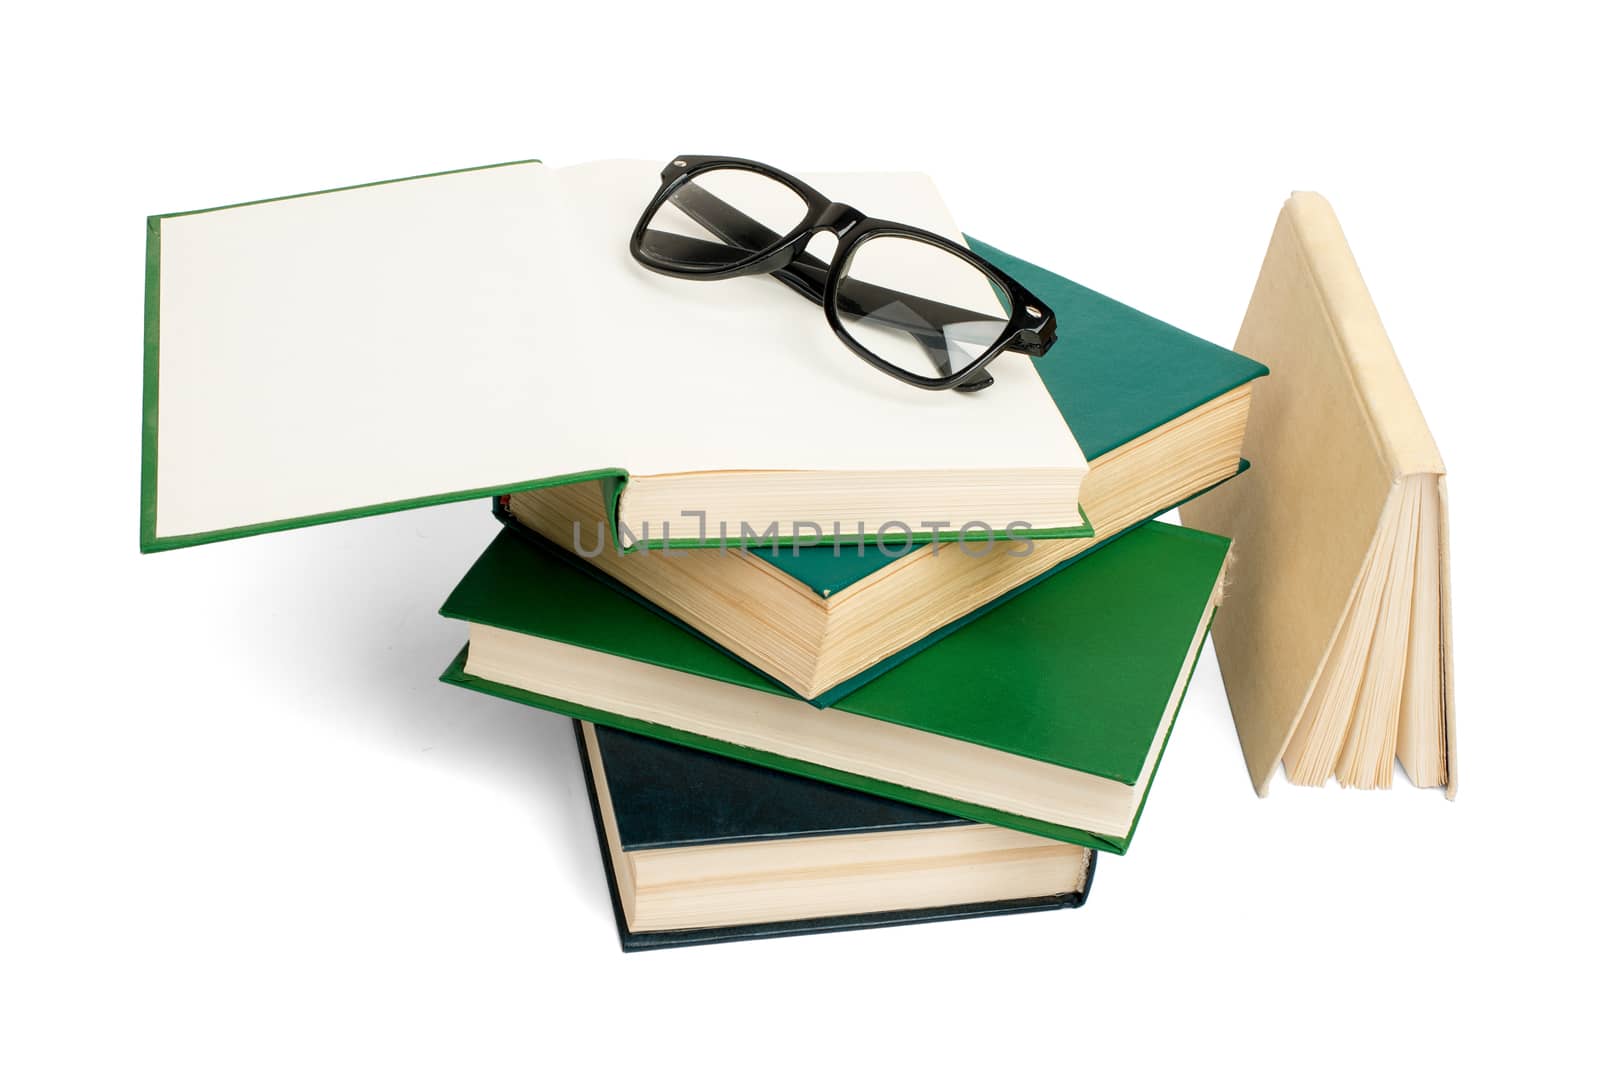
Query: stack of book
<point>790,738</point>
<point>809,729</point>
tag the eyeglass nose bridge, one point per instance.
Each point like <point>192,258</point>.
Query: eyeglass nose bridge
<point>839,219</point>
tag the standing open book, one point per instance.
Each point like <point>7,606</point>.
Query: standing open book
<point>1336,647</point>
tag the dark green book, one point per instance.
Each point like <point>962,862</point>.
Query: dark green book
<point>1160,415</point>
<point>1047,715</point>
<point>700,848</point>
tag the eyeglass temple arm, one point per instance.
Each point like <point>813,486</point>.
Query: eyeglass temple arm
<point>807,275</point>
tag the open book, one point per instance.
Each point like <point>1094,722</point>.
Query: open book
<point>485,331</point>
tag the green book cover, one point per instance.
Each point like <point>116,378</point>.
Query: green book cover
<point>1076,673</point>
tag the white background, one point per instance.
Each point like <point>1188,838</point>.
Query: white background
<point>241,824</point>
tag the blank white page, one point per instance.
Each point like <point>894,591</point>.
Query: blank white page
<point>479,329</point>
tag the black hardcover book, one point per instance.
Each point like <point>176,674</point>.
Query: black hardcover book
<point>704,849</point>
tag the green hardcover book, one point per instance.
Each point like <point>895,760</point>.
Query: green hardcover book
<point>1160,414</point>
<point>1047,715</point>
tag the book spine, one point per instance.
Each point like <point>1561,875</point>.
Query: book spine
<point>1395,417</point>
<point>1447,664</point>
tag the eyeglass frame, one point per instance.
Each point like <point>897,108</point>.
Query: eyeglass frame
<point>1030,329</point>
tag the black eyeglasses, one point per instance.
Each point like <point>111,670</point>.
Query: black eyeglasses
<point>920,307</point>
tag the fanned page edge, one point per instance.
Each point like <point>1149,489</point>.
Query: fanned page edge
<point>1311,704</point>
